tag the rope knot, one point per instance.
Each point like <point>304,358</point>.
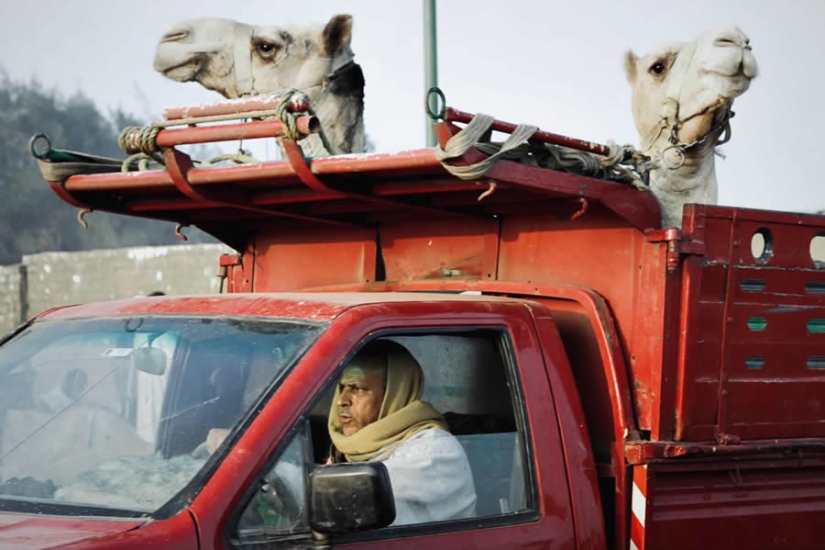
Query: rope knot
<point>136,139</point>
<point>287,118</point>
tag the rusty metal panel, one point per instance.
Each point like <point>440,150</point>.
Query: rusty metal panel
<point>426,249</point>
<point>778,285</point>
<point>316,256</point>
<point>775,375</point>
<point>786,245</point>
<point>699,363</point>
<point>753,351</point>
<point>734,504</point>
<point>653,307</point>
<point>699,378</point>
<point>231,269</point>
<point>599,251</point>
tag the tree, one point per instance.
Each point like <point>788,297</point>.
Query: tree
<point>32,218</point>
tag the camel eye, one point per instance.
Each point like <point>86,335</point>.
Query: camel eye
<point>657,68</point>
<point>267,47</point>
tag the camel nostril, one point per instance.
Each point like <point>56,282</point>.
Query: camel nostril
<point>723,42</point>
<point>175,35</point>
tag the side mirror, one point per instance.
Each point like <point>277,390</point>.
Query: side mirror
<point>350,497</point>
<point>149,360</point>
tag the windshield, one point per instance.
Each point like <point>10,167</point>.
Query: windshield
<point>114,412</point>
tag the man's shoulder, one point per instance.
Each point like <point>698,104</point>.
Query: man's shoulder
<point>432,433</point>
<point>429,442</point>
<point>432,439</point>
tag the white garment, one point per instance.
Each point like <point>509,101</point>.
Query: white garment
<point>431,478</point>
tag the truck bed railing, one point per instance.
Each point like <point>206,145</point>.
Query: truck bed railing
<point>353,190</point>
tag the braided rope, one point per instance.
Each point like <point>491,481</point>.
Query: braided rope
<point>241,157</point>
<point>142,160</point>
<point>289,120</point>
<point>134,140</point>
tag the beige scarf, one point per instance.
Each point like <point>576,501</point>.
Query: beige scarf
<point>402,414</point>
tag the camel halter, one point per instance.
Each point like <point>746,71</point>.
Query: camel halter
<point>243,61</point>
<point>669,119</point>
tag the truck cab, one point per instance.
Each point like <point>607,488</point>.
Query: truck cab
<point>141,384</point>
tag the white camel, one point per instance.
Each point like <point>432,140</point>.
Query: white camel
<point>682,98</point>
<point>238,60</point>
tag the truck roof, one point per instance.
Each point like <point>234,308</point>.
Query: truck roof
<point>351,191</point>
<point>317,306</point>
<point>343,191</point>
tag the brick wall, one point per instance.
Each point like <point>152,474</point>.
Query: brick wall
<point>12,289</point>
<point>59,278</point>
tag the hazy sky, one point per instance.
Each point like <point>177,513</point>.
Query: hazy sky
<point>555,64</point>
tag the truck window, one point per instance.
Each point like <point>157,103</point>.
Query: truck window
<point>107,416</point>
<point>279,505</point>
<point>470,379</point>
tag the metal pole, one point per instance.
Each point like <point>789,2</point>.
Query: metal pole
<point>430,63</point>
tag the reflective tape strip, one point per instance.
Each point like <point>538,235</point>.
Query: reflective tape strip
<point>638,506</point>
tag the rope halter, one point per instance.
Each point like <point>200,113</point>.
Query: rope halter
<point>669,116</point>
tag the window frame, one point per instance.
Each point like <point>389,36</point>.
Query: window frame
<point>500,336</point>
<point>504,343</point>
<point>232,539</point>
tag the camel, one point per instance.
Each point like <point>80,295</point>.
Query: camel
<point>238,60</point>
<point>682,96</point>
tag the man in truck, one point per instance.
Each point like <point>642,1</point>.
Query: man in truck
<point>377,414</point>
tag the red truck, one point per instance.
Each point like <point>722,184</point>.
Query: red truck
<point>614,384</point>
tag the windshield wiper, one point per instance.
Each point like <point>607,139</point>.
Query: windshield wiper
<point>31,505</point>
<point>192,408</point>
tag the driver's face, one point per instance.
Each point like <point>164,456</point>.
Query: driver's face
<point>362,393</point>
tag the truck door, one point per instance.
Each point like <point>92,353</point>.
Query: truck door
<point>484,373</point>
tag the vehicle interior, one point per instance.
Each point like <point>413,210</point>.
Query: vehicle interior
<point>467,380</point>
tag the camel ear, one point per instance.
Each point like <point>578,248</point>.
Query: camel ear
<point>630,59</point>
<point>337,34</point>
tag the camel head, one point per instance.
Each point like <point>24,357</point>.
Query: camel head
<point>681,97</point>
<point>237,60</point>
<point>690,83</point>
<point>213,52</point>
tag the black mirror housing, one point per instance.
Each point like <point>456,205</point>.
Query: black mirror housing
<point>350,497</point>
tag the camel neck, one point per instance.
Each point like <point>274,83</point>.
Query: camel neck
<point>692,182</point>
<point>339,106</point>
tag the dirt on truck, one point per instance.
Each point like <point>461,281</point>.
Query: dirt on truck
<point>613,383</point>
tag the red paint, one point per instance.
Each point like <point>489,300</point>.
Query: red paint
<point>453,115</point>
<point>212,505</point>
<point>172,137</point>
<point>32,532</point>
<point>26,531</point>
<point>672,360</point>
<point>298,102</point>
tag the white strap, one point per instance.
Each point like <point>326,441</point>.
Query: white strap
<point>243,60</point>
<point>670,105</point>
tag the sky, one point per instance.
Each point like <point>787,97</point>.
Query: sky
<point>554,64</point>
